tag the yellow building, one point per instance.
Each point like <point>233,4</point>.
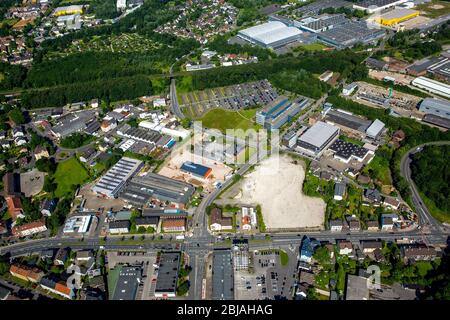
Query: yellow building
<point>63,11</point>
<point>396,16</point>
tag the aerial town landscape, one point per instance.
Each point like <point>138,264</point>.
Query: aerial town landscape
<point>224,150</point>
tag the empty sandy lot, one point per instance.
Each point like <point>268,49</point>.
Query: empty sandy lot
<point>32,182</point>
<point>276,184</point>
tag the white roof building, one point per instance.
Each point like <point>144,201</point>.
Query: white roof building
<point>77,224</point>
<point>271,34</point>
<point>432,86</point>
<point>318,137</point>
<point>375,128</point>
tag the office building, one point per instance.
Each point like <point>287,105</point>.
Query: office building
<point>318,137</point>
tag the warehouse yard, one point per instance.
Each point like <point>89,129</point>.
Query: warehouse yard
<point>283,205</point>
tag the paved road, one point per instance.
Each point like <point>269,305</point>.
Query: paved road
<point>426,219</point>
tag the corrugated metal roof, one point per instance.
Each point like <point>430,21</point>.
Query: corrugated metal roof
<point>318,134</point>
<point>375,128</point>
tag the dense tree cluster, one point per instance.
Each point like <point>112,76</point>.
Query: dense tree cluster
<point>343,62</point>
<point>12,76</point>
<point>75,140</point>
<point>301,82</point>
<point>104,9</point>
<point>431,173</point>
<point>221,45</point>
<point>108,89</point>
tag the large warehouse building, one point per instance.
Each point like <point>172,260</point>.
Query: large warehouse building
<point>437,107</point>
<point>140,190</point>
<point>280,111</point>
<point>318,137</point>
<point>115,179</point>
<point>432,86</point>
<point>396,16</point>
<point>372,6</point>
<point>272,34</point>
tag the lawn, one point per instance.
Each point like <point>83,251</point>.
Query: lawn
<point>113,277</point>
<point>435,8</point>
<point>378,169</point>
<point>69,173</point>
<point>224,119</point>
<point>350,140</point>
<point>316,46</point>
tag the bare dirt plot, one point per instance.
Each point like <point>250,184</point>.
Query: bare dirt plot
<point>32,182</point>
<point>276,184</point>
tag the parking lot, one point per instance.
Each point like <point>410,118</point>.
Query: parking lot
<point>270,279</point>
<point>235,97</point>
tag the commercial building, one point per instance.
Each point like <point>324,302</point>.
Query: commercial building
<point>128,283</point>
<point>345,151</point>
<point>375,129</point>
<point>70,22</point>
<point>348,34</point>
<point>433,86</point>
<point>437,107</point>
<point>115,179</point>
<point>68,10</point>
<point>279,112</point>
<point>173,225</point>
<point>140,134</point>
<point>147,222</point>
<point>273,34</point>
<point>372,6</point>
<point>318,137</point>
<point>396,16</point>
<point>196,169</point>
<point>437,121</point>
<point>222,275</point>
<point>357,288</point>
<point>139,191</point>
<point>73,122</point>
<point>347,120</point>
<point>168,268</point>
<point>26,273</point>
<point>78,224</point>
<point>218,221</point>
<point>118,227</point>
<point>164,213</point>
<point>29,229</point>
<point>323,23</point>
<point>349,88</point>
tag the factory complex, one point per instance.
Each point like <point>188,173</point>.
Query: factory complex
<point>273,34</point>
<point>279,112</point>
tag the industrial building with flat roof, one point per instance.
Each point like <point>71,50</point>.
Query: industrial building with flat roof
<point>128,283</point>
<point>372,6</point>
<point>347,120</point>
<point>316,138</point>
<point>348,34</point>
<point>140,190</point>
<point>432,86</point>
<point>437,107</point>
<point>323,23</point>
<point>396,16</point>
<point>166,281</point>
<point>164,213</point>
<point>375,129</point>
<point>272,34</point>
<point>222,275</point>
<point>279,112</point>
<point>345,151</point>
<point>112,182</point>
<point>196,169</point>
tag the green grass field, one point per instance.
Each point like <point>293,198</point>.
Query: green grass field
<point>435,8</point>
<point>68,174</point>
<point>224,119</point>
<point>316,46</point>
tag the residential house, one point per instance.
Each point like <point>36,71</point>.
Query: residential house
<point>48,206</point>
<point>418,252</point>
<point>336,225</point>
<point>118,227</point>
<point>392,203</point>
<point>61,257</point>
<point>18,132</point>
<point>108,125</point>
<point>372,196</point>
<point>83,256</point>
<point>373,225</point>
<point>11,184</point>
<point>369,246</point>
<point>339,190</point>
<point>40,152</point>
<point>219,222</point>
<point>345,248</point>
<point>28,229</point>
<point>26,273</point>
<point>174,225</point>
<point>387,223</point>
<point>249,219</point>
<point>3,229</point>
<point>58,287</point>
<point>307,249</point>
<point>87,155</point>
<point>354,224</point>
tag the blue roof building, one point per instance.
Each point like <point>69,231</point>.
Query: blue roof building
<point>196,169</point>
<point>307,249</point>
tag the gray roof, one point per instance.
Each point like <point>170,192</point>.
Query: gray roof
<point>339,189</point>
<point>169,266</point>
<point>348,120</point>
<point>127,284</point>
<point>223,282</point>
<point>356,288</point>
<point>146,221</point>
<point>119,224</point>
<point>375,128</point>
<point>141,189</point>
<point>438,104</point>
<point>318,134</point>
<point>4,292</point>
